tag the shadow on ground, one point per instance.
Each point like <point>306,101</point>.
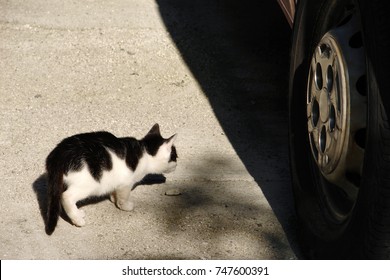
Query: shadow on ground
<point>39,187</point>
<point>189,219</point>
<point>239,53</point>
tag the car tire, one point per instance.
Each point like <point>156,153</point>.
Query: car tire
<point>339,132</point>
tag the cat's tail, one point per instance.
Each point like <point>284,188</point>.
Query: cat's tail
<point>55,187</point>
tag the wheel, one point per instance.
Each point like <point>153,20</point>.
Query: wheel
<point>339,133</point>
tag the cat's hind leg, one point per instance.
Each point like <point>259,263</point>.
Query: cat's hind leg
<point>68,200</point>
<point>121,198</point>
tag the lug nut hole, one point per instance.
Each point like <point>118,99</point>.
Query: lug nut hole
<point>356,41</point>
<point>315,113</point>
<point>360,138</point>
<point>323,139</point>
<point>361,85</point>
<point>318,77</point>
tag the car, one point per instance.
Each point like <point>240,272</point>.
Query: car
<point>339,128</point>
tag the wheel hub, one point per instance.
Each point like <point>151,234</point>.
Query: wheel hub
<point>327,108</point>
<point>336,107</point>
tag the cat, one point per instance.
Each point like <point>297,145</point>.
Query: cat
<point>97,164</point>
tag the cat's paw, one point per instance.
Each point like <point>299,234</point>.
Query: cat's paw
<point>79,222</point>
<point>78,218</point>
<point>125,206</point>
<point>113,198</point>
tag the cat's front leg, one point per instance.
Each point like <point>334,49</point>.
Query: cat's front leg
<point>121,198</point>
<point>68,201</point>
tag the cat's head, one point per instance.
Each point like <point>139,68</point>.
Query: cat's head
<point>162,151</point>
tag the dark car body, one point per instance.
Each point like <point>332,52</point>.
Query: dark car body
<point>288,7</point>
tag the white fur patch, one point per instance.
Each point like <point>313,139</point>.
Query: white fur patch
<point>83,184</point>
<point>120,175</point>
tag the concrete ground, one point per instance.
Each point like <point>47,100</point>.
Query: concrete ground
<point>215,72</point>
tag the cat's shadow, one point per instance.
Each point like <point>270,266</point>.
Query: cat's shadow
<point>40,189</point>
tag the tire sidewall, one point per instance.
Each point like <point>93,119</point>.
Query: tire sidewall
<point>372,216</point>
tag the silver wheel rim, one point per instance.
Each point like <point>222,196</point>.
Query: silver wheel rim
<point>336,113</point>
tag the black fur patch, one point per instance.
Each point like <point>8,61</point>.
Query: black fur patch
<point>133,151</point>
<point>91,149</point>
<point>153,141</point>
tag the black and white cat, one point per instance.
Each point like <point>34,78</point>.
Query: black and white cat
<point>98,163</point>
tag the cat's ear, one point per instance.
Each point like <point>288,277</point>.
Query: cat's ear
<point>155,130</point>
<point>171,140</point>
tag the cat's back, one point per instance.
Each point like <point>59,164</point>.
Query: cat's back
<point>91,148</point>
<point>98,138</point>
<point>85,143</point>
